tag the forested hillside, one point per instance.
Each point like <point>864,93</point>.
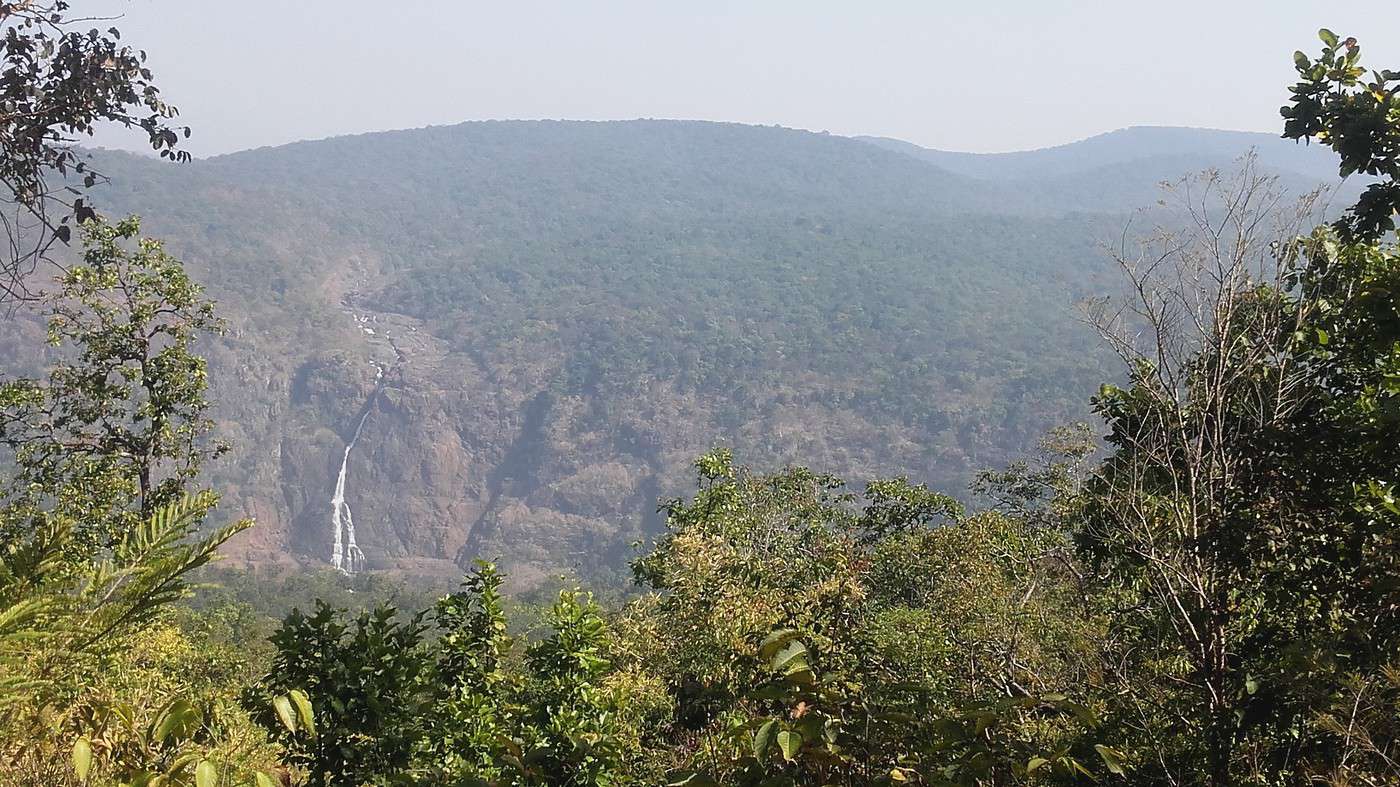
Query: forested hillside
<point>507,338</point>
<point>566,313</point>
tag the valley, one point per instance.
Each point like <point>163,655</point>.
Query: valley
<point>529,330</point>
<point>625,453</point>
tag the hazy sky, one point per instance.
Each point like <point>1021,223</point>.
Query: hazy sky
<point>980,75</point>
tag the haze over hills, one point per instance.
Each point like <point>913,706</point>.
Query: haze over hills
<point>1128,145</point>
<point>538,325</point>
<point>1125,167</point>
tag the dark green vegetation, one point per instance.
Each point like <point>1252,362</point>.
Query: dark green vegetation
<point>568,313</point>
<point>1205,597</point>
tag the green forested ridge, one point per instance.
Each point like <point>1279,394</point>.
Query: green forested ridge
<point>583,307</point>
<point>1205,595</point>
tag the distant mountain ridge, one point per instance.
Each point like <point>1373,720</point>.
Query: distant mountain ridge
<point>569,312</point>
<point>1125,145</point>
<point>1121,168</point>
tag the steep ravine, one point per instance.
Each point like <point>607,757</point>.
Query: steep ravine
<point>515,473</point>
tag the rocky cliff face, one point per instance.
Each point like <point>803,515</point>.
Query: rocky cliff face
<point>418,477</point>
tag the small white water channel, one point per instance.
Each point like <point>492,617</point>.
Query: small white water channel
<point>346,555</point>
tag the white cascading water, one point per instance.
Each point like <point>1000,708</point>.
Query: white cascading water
<point>346,555</point>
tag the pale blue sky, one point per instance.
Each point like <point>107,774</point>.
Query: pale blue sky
<point>987,75</point>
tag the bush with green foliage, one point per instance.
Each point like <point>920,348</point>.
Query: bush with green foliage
<point>460,707</point>
<point>788,637</point>
<point>365,680</point>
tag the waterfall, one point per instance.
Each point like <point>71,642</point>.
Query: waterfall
<point>346,555</point>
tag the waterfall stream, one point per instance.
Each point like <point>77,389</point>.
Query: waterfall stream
<point>346,555</point>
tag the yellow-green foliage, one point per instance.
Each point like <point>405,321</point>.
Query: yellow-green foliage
<point>98,536</point>
<point>117,705</point>
<point>843,631</point>
<point>982,605</point>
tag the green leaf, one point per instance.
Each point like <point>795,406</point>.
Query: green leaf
<point>1328,37</point>
<point>264,780</point>
<point>790,743</point>
<point>184,761</point>
<point>1035,764</point>
<point>304,711</point>
<point>283,706</point>
<point>82,758</point>
<point>1302,61</point>
<point>775,641</point>
<point>763,739</point>
<point>177,721</point>
<point>206,774</point>
<point>794,653</point>
<point>1112,759</point>
<point>800,674</point>
<point>1084,714</point>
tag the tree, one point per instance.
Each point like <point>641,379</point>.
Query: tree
<point>1344,458</point>
<point>573,735</point>
<point>1360,120</point>
<point>364,679</point>
<point>56,620</point>
<point>1239,532</point>
<point>71,636</point>
<point>120,426</point>
<point>473,714</point>
<point>58,82</point>
<point>1166,526</point>
<point>98,533</point>
<point>809,639</point>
